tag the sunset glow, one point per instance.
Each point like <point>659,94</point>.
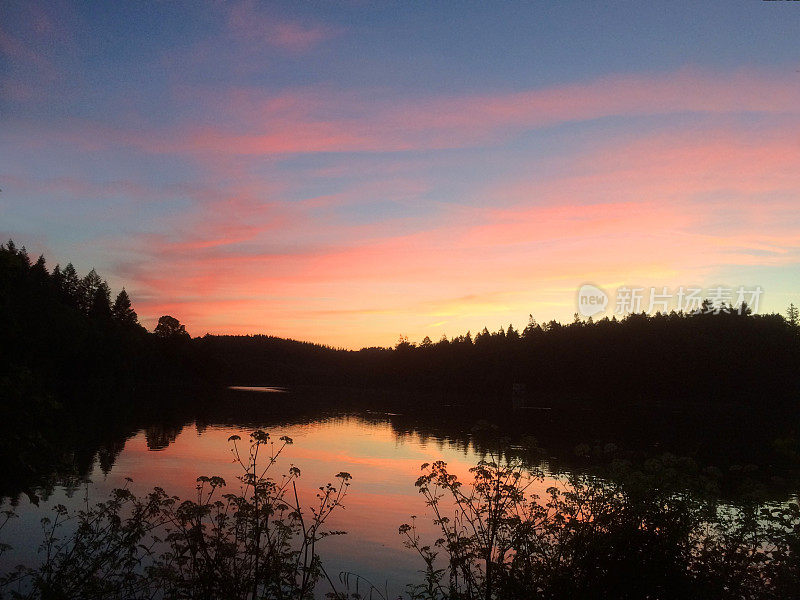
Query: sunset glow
<point>357,172</point>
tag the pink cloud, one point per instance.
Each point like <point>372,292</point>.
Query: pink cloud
<point>663,206</point>
<point>247,122</point>
<point>310,122</point>
<point>248,23</point>
<point>644,211</point>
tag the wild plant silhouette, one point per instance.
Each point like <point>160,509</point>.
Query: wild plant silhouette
<point>257,542</point>
<point>647,533</point>
<point>72,359</point>
<point>652,531</point>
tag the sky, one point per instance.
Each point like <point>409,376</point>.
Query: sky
<point>349,172</point>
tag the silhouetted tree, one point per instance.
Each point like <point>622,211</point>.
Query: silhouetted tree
<point>101,301</point>
<point>63,336</point>
<point>733,354</point>
<point>39,269</point>
<point>530,328</point>
<point>122,311</point>
<point>792,315</point>
<point>169,328</point>
<point>71,285</point>
<point>57,277</point>
<point>86,290</point>
<point>403,344</point>
<point>707,308</point>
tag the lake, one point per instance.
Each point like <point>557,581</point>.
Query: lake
<point>383,461</point>
<point>381,449</point>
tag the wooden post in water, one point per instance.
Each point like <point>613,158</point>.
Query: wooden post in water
<point>518,396</point>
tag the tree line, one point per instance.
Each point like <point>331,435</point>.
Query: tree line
<point>66,330</point>
<point>70,355</point>
<point>731,356</point>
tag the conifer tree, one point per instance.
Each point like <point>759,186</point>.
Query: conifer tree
<point>57,277</point>
<point>792,315</point>
<point>70,285</point>
<point>122,311</point>
<point>87,289</point>
<point>39,271</point>
<point>101,301</point>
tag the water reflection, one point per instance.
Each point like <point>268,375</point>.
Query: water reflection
<point>171,444</point>
<point>384,465</point>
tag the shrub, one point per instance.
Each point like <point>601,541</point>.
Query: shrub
<point>633,534</point>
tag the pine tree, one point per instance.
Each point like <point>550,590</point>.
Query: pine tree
<point>512,334</point>
<point>70,285</point>
<point>39,271</point>
<point>41,264</point>
<point>530,327</point>
<point>792,315</point>
<point>57,277</point>
<point>87,289</point>
<point>122,311</point>
<point>101,301</point>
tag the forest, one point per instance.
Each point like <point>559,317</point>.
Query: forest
<point>64,334</point>
<point>74,357</point>
<point>78,365</point>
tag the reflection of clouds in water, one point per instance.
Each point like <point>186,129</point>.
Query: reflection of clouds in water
<point>384,464</point>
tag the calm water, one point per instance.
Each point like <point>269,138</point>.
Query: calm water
<point>382,450</point>
<point>383,462</point>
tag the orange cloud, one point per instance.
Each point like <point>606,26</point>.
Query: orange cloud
<point>674,201</point>
<point>664,209</point>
